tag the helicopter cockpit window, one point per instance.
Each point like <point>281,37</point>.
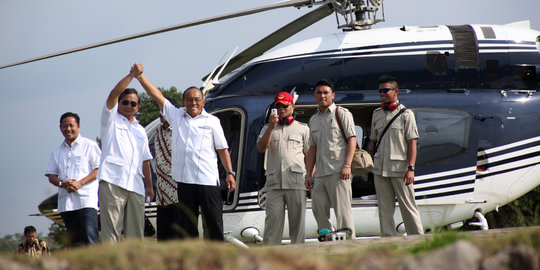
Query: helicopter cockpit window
<point>267,77</point>
<point>443,133</point>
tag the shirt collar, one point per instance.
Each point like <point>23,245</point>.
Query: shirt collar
<point>203,114</point>
<point>76,141</point>
<point>135,122</point>
<point>330,109</point>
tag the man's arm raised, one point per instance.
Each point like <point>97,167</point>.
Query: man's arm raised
<point>112,99</point>
<point>149,87</point>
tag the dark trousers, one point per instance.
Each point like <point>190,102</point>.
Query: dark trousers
<point>167,223</point>
<point>208,198</point>
<point>82,226</point>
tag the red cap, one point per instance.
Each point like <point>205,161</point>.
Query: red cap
<point>284,98</point>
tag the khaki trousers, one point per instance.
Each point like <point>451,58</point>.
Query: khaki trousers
<point>332,192</point>
<point>276,200</point>
<point>388,189</point>
<point>120,210</point>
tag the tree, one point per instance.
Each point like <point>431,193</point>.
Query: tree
<point>58,236</point>
<point>525,211</point>
<point>9,242</point>
<point>149,111</point>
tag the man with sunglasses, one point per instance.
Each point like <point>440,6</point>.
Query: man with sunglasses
<point>394,160</point>
<point>196,136</point>
<point>330,184</point>
<point>286,141</point>
<point>124,173</point>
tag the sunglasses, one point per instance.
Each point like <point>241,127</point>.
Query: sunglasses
<point>385,90</point>
<point>281,106</point>
<point>127,102</point>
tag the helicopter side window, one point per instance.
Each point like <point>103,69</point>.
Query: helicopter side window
<point>232,124</point>
<point>315,69</point>
<point>443,133</point>
<point>436,63</point>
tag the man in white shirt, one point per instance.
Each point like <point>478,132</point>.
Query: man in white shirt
<point>197,135</point>
<point>124,173</point>
<point>73,168</point>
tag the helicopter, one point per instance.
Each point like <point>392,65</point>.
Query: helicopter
<point>472,89</point>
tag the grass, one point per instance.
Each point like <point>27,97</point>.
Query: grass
<point>438,240</point>
<point>198,254</point>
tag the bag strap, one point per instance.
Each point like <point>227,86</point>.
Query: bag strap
<point>386,128</point>
<point>341,127</point>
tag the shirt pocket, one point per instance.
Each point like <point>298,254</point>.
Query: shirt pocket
<point>379,126</point>
<point>274,141</point>
<point>398,147</point>
<point>116,161</point>
<point>398,144</point>
<point>299,172</point>
<point>80,162</point>
<point>297,168</point>
<point>294,142</point>
<point>271,180</point>
<point>315,133</point>
<point>114,167</point>
<point>335,141</point>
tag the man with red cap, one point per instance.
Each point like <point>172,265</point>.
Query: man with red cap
<point>286,141</point>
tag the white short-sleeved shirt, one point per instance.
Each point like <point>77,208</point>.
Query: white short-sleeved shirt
<point>194,144</point>
<point>76,162</point>
<point>124,147</point>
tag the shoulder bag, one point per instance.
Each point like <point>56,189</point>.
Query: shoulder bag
<point>362,162</point>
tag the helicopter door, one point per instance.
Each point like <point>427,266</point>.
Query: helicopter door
<point>233,124</point>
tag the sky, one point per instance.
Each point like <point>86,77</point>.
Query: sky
<point>34,95</point>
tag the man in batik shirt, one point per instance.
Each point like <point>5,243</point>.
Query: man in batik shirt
<point>166,197</point>
<point>32,246</point>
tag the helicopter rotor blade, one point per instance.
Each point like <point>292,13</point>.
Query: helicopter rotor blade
<point>276,37</point>
<point>297,3</point>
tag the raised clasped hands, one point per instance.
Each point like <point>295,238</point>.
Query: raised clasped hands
<point>136,70</point>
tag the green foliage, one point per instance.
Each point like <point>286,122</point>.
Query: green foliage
<point>149,110</point>
<point>58,236</point>
<point>438,240</point>
<point>9,242</point>
<point>98,140</point>
<point>524,211</point>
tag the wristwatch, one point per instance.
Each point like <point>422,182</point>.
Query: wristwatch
<point>411,168</point>
<point>232,173</point>
<point>60,183</point>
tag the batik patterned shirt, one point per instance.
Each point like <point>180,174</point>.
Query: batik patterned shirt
<point>167,187</point>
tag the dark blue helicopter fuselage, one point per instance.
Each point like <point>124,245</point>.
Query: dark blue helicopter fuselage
<point>491,96</point>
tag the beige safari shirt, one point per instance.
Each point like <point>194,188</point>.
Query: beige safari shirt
<point>285,163</point>
<point>391,157</point>
<point>326,136</point>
